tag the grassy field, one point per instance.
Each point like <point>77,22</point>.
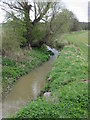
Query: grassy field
<point>68,84</point>
<point>80,39</point>
<point>0,62</point>
<point>0,37</point>
<point>12,70</point>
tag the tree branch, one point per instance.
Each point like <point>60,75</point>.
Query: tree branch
<point>35,11</point>
<point>13,16</point>
<point>14,7</point>
<point>42,14</point>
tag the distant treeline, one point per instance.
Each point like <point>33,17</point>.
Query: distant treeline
<point>0,24</point>
<point>83,25</point>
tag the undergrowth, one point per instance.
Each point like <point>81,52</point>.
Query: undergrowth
<point>68,86</point>
<point>12,70</point>
<point>69,92</point>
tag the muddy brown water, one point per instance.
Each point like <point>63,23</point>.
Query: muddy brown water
<point>27,88</point>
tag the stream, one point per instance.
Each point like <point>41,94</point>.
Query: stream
<point>27,87</point>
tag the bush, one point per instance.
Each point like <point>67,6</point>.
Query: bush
<point>37,35</point>
<point>12,37</point>
<point>10,42</point>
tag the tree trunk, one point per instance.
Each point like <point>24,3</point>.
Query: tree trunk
<point>28,27</point>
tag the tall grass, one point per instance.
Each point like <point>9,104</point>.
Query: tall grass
<point>10,44</point>
<point>0,37</point>
<point>79,39</point>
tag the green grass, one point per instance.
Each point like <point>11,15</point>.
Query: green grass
<point>80,39</point>
<point>69,91</point>
<point>12,70</point>
<point>0,42</point>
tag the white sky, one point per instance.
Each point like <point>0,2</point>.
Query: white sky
<point>78,7</point>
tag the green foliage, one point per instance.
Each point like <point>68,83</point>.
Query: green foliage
<point>9,41</point>
<point>18,29</point>
<point>37,34</point>
<point>45,50</point>
<point>12,37</point>
<point>15,34</point>
<point>75,25</point>
<point>63,22</point>
<point>69,92</point>
<point>83,25</point>
<point>79,39</point>
<point>13,69</point>
<point>41,109</point>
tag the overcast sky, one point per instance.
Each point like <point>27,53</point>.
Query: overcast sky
<point>78,7</point>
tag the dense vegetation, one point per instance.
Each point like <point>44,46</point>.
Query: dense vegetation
<point>12,69</point>
<point>51,16</point>
<point>23,49</point>
<point>68,85</point>
<point>0,78</point>
<point>21,36</point>
<point>83,25</point>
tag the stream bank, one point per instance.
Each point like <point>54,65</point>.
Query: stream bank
<point>68,91</point>
<point>13,69</point>
<point>28,86</point>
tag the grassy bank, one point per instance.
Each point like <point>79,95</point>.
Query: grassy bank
<point>80,40</point>
<point>12,70</point>
<point>68,85</point>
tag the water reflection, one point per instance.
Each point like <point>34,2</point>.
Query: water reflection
<point>27,87</point>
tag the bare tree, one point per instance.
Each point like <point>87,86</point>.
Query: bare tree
<point>21,10</point>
